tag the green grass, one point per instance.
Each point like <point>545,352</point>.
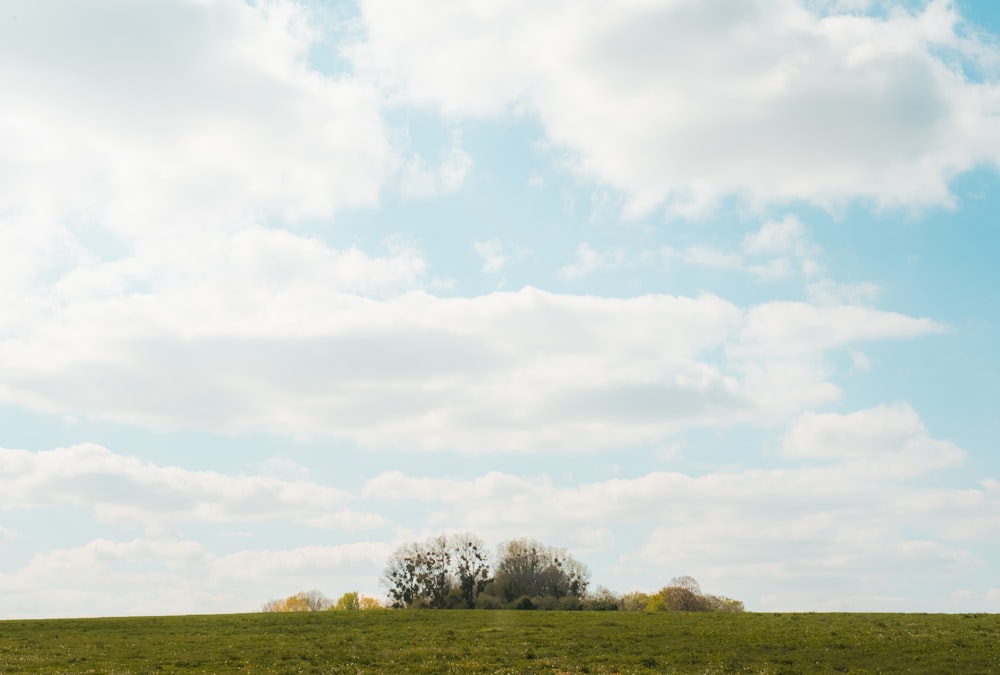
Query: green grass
<point>506,642</point>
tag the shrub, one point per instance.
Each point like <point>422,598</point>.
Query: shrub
<point>524,602</point>
<point>603,600</point>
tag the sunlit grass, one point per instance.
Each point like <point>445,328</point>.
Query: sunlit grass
<point>506,642</point>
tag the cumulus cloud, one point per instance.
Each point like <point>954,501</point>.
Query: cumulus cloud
<point>171,576</point>
<point>791,328</point>
<point>149,157</point>
<point>497,255</point>
<point>785,243</point>
<point>887,439</point>
<point>588,260</point>
<point>829,292</point>
<point>420,179</point>
<point>778,250</point>
<point>493,254</point>
<point>501,372</point>
<point>188,116</point>
<point>682,104</point>
<point>121,488</point>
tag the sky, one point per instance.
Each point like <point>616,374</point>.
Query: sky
<point>686,287</point>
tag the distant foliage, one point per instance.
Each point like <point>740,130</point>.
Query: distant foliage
<point>528,569</point>
<point>447,572</point>
<point>456,572</point>
<point>603,600</point>
<point>683,594</point>
<point>303,601</point>
<point>348,602</point>
<point>353,601</point>
<point>314,601</point>
<point>452,572</point>
<point>368,603</point>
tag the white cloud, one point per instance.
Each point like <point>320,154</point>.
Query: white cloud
<point>172,576</point>
<point>777,237</point>
<point>707,256</point>
<point>145,151</point>
<point>791,328</point>
<point>152,160</point>
<point>124,489</point>
<point>684,103</point>
<point>785,243</point>
<point>155,126</point>
<point>890,440</point>
<point>492,253</point>
<point>588,260</point>
<point>860,363</point>
<point>779,250</point>
<point>502,372</point>
<point>418,179</point>
<point>829,292</point>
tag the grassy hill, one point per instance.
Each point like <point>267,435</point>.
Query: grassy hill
<point>506,642</point>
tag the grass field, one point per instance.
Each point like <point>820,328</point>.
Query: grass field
<point>506,642</point>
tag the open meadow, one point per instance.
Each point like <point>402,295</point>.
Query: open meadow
<point>506,642</point>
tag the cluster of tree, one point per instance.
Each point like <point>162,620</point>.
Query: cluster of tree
<point>683,594</point>
<point>455,572</point>
<point>314,601</point>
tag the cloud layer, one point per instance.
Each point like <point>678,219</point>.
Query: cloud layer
<point>849,512</point>
<point>683,104</point>
<point>190,116</point>
<point>524,371</point>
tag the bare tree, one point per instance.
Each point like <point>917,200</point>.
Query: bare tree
<point>471,566</point>
<point>303,601</point>
<point>440,572</point>
<point>530,569</point>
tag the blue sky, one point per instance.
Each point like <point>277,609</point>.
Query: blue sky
<point>683,288</point>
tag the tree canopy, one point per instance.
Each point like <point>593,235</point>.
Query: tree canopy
<point>443,572</point>
<point>455,571</point>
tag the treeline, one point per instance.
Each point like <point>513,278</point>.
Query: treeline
<point>457,572</point>
<point>315,601</point>
<point>682,594</point>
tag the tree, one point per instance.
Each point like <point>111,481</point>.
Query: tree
<point>527,568</point>
<point>368,603</point>
<point>348,602</point>
<point>315,601</point>
<point>603,599</point>
<point>303,601</point>
<point>684,595</point>
<point>411,574</point>
<point>440,572</point>
<point>471,566</point>
<point>720,603</point>
<point>273,605</point>
<point>635,602</point>
<point>682,599</point>
<point>686,582</point>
